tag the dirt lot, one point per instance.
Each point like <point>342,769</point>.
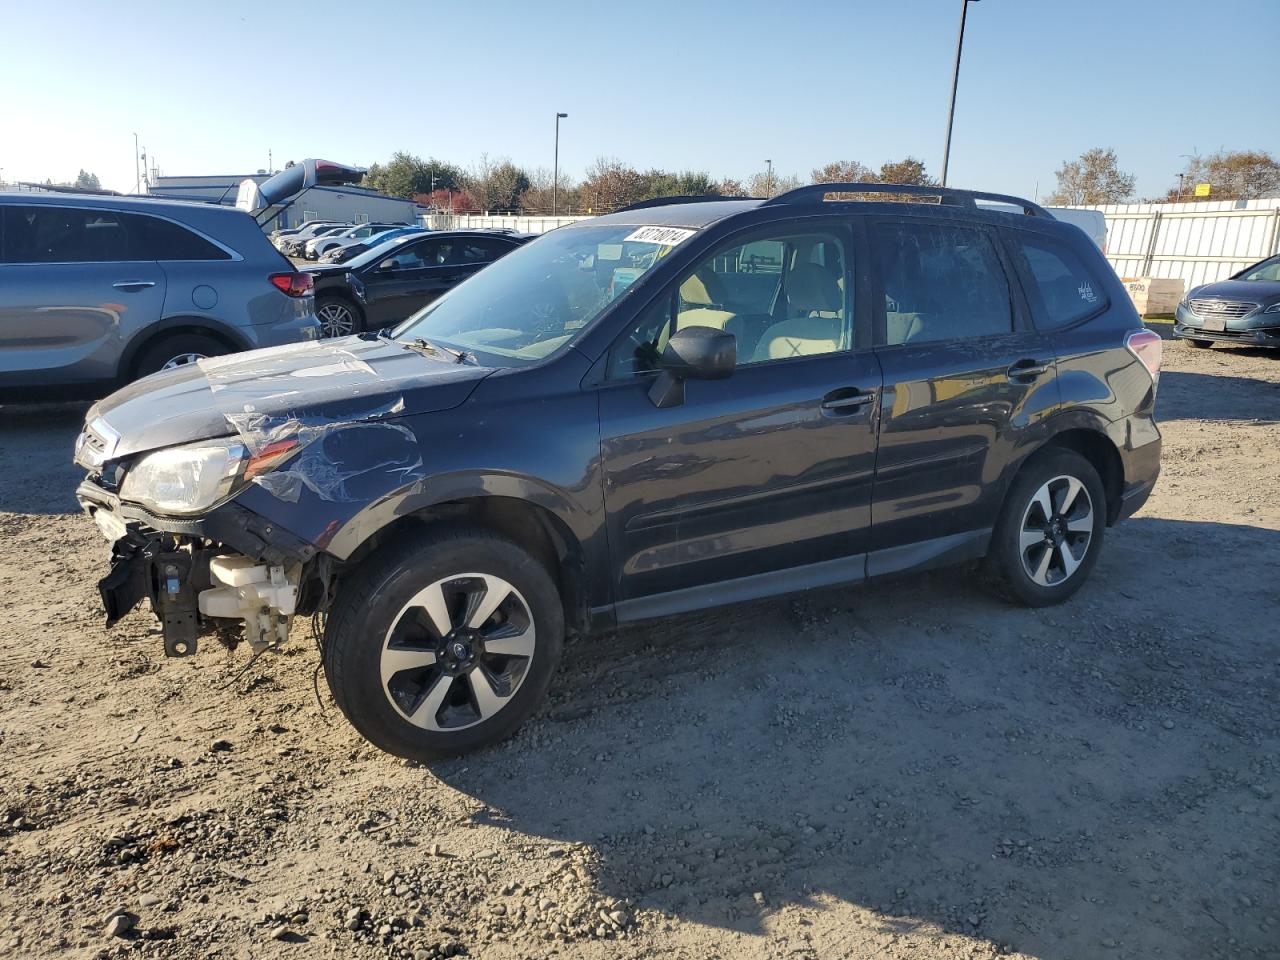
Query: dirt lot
<point>907,769</point>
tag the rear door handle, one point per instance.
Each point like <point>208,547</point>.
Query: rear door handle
<point>846,400</point>
<point>133,286</point>
<point>1027,369</point>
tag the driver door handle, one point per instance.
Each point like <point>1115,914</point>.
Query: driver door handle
<point>846,400</point>
<point>1027,369</point>
<point>133,286</point>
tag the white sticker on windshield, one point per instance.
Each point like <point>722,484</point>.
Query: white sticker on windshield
<point>665,236</point>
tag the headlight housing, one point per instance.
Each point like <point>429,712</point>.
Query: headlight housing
<point>1274,308</point>
<point>185,480</point>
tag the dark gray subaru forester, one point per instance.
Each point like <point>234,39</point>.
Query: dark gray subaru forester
<point>687,403</point>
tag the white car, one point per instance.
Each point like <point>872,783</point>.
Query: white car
<point>361,231</point>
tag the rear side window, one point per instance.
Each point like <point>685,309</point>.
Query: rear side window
<point>481,250</point>
<point>40,234</point>
<point>156,239</point>
<point>1063,289</point>
<point>941,282</point>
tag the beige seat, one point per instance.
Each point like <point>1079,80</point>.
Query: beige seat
<point>700,302</point>
<point>816,322</point>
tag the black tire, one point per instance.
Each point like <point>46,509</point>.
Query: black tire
<point>1198,344</point>
<point>1007,562</point>
<point>370,612</point>
<point>166,352</point>
<point>333,311</point>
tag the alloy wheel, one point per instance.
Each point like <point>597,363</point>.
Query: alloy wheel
<point>1056,531</point>
<point>181,360</point>
<point>336,320</point>
<point>457,652</point>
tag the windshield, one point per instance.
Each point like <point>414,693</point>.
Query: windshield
<point>527,305</point>
<point>1266,270</point>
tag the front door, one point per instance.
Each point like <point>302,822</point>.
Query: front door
<point>761,482</point>
<point>407,280</point>
<point>965,379</point>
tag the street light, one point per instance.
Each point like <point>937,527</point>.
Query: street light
<point>1181,177</point>
<point>955,81</point>
<point>555,170</point>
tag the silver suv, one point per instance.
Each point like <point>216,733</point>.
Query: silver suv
<point>96,291</point>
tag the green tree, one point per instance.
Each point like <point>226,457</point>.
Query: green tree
<point>844,171</point>
<point>406,174</point>
<point>906,170</point>
<point>87,181</point>
<point>1093,177</point>
<point>729,187</point>
<point>497,184</point>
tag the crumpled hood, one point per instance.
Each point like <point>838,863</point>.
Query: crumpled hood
<point>344,380</point>
<point>1257,291</point>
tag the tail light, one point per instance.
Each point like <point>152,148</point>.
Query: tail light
<point>1147,346</point>
<point>293,284</point>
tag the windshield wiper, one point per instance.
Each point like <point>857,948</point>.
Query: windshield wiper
<point>426,346</point>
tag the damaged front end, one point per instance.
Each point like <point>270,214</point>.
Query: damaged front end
<point>227,577</point>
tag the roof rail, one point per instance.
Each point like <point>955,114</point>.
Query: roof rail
<point>668,201</point>
<point>962,198</point>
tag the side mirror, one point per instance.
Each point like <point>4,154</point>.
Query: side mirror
<point>694,353</point>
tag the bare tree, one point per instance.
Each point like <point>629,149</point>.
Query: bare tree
<point>1231,175</point>
<point>1093,177</point>
<point>764,185</point>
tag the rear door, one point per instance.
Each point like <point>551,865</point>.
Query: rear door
<point>965,379</point>
<point>75,284</point>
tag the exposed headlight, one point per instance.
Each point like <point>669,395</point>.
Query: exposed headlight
<point>185,480</point>
<point>197,477</point>
<point>1274,308</point>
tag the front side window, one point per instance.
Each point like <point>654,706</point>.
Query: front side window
<point>480,250</point>
<point>941,282</point>
<point>530,302</point>
<point>1063,290</point>
<point>41,234</point>
<point>781,296</point>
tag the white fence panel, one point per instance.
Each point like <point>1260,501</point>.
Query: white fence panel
<point>1194,242</point>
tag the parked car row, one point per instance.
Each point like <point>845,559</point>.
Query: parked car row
<point>316,237</point>
<point>98,291</point>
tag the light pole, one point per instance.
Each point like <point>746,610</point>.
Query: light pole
<point>137,176</point>
<point>555,169</point>
<point>1181,177</point>
<point>768,179</point>
<point>955,81</point>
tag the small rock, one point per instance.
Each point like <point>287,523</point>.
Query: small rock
<point>435,850</point>
<point>544,905</point>
<point>39,665</point>
<point>120,923</point>
<point>1167,724</point>
<point>148,900</point>
<point>281,932</point>
<point>220,746</point>
<point>758,897</point>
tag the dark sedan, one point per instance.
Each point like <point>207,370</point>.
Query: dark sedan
<point>1244,309</point>
<point>385,285</point>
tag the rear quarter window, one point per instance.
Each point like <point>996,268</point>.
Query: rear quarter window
<point>1062,287</point>
<point>156,239</point>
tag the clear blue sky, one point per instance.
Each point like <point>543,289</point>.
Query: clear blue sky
<point>211,87</point>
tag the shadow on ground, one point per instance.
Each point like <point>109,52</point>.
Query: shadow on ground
<point>1064,781</point>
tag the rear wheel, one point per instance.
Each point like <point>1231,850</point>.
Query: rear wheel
<point>178,350</point>
<point>1049,535</point>
<point>435,649</point>
<point>337,317</point>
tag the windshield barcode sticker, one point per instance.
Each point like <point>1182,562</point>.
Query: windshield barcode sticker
<point>665,236</point>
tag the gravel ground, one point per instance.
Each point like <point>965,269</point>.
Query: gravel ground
<point>905,769</point>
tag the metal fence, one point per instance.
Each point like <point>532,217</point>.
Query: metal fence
<point>1195,242</point>
<point>521,224</point>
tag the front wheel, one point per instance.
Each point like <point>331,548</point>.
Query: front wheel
<point>1050,531</point>
<point>1198,344</point>
<point>437,648</point>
